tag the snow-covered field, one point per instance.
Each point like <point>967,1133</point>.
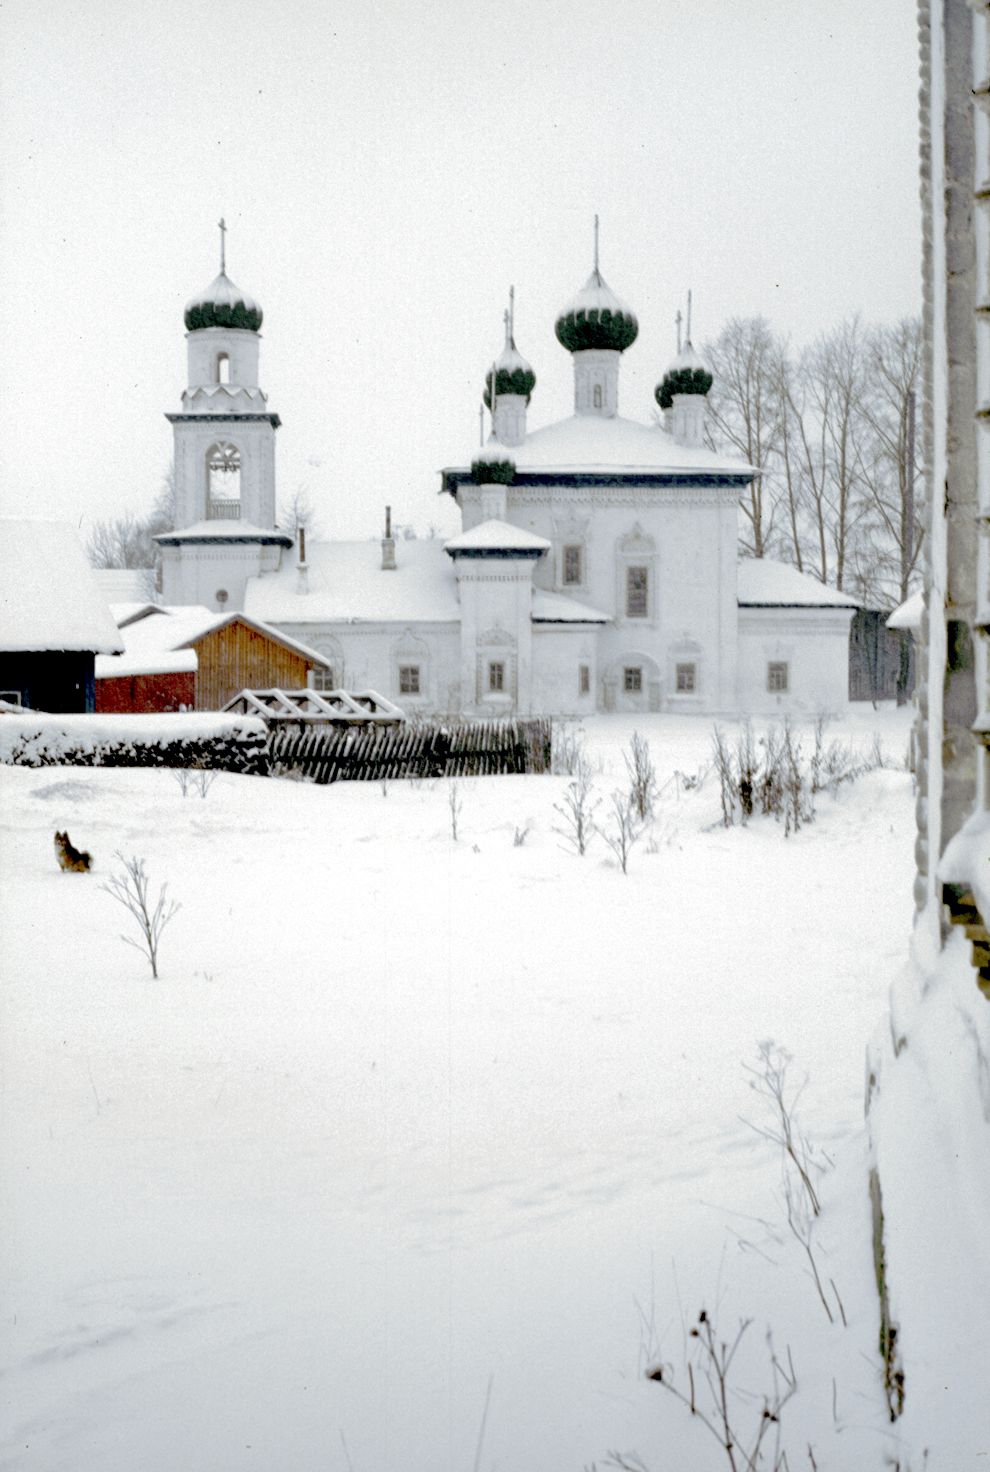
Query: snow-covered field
<point>420,1152</point>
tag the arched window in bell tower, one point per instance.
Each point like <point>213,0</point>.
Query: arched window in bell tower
<point>223,480</point>
<point>597,396</point>
<point>222,370</point>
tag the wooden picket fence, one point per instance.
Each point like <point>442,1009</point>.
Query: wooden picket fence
<point>329,753</point>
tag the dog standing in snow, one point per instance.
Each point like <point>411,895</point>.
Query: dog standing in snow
<point>71,860</point>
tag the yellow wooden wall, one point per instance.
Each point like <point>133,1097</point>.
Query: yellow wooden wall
<point>236,657</point>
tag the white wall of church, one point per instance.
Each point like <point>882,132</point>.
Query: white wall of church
<point>565,669</point>
<point>373,656</point>
<point>685,539</point>
<point>197,573</point>
<point>793,659</point>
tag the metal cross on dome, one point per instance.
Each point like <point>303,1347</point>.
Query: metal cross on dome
<point>223,243</point>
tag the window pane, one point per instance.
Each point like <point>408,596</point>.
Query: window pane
<point>496,676</point>
<point>777,678</point>
<point>409,679</point>
<point>572,564</point>
<point>584,679</point>
<point>632,679</point>
<point>637,592</point>
<point>686,679</point>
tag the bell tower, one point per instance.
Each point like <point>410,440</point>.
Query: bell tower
<point>224,445</point>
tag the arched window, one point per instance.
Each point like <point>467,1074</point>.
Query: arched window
<point>223,479</point>
<point>222,368</point>
<point>597,396</point>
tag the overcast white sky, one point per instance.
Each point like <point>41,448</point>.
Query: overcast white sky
<point>386,170</point>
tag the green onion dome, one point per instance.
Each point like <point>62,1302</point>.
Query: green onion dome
<point>495,465</point>
<point>223,304</point>
<point>687,374</point>
<point>596,318</point>
<point>513,375</point>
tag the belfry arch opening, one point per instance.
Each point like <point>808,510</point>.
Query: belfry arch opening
<point>223,482</point>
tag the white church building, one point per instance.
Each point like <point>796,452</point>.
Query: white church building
<point>597,567</point>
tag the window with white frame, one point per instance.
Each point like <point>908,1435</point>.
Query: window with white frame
<point>584,679</point>
<point>409,681</point>
<point>686,679</point>
<point>632,679</point>
<point>325,680</point>
<point>778,677</point>
<point>496,676</point>
<point>637,591</point>
<point>572,571</point>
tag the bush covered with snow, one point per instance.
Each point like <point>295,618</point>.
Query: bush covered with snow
<point>227,743</point>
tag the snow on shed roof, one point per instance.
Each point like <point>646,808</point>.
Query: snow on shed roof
<point>179,627</point>
<point>908,614</point>
<point>347,584</point>
<point>497,536</point>
<point>766,584</point>
<point>49,598</point>
<point>555,608</point>
<point>589,443</point>
<point>161,662</point>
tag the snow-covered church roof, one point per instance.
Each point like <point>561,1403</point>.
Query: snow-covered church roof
<point>497,536</point>
<point>592,444</point>
<point>49,598</point>
<point>763,583</point>
<point>345,583</point>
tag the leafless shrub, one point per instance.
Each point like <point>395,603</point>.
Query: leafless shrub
<point>724,1408</point>
<point>454,804</point>
<point>728,787</point>
<point>130,889</point>
<point>768,1080</point>
<point>521,834</point>
<point>625,828</point>
<point>201,779</point>
<point>642,777</point>
<point>567,750</point>
<point>746,766</point>
<point>798,804</point>
<point>578,809</point>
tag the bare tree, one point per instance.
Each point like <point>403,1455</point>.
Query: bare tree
<point>744,409</point>
<point>128,540</point>
<point>298,511</point>
<point>130,889</point>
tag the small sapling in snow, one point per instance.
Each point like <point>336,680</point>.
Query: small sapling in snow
<point>130,889</point>
<point>642,777</point>
<point>624,829</point>
<point>578,809</point>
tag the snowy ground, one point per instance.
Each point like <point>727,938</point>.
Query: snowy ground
<point>408,1125</point>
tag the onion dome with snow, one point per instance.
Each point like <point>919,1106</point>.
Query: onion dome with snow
<point>494,466</point>
<point>513,375</point>
<point>596,318</point>
<point>222,304</point>
<point>687,374</point>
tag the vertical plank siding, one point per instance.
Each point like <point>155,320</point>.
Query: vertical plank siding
<point>237,657</point>
<point>329,753</point>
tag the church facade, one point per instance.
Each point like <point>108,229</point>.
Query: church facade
<point>596,569</point>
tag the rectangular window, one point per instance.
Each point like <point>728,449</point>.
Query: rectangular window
<point>637,592</point>
<point>632,678</point>
<point>324,680</point>
<point>584,679</point>
<point>777,681</point>
<point>687,679</point>
<point>496,675</point>
<point>572,564</point>
<point>409,679</point>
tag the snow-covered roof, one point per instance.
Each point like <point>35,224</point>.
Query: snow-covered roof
<point>591,443</point>
<point>555,608</point>
<point>497,536</point>
<point>129,613</point>
<point>908,614</point>
<point>125,584</point>
<point>222,293</point>
<point>347,584</point>
<point>224,531</point>
<point>765,584</point>
<point>49,598</point>
<point>160,662</point>
<point>178,627</point>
